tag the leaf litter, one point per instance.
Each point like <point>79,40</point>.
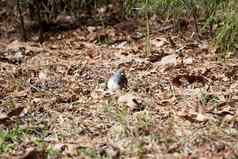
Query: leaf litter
<point>181,102</point>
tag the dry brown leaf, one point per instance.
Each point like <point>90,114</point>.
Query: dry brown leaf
<point>193,116</point>
<point>188,61</point>
<point>3,118</point>
<point>66,98</point>
<point>157,56</point>
<point>22,93</point>
<point>60,147</point>
<point>132,101</point>
<point>108,150</point>
<point>180,79</point>
<point>15,112</point>
<point>200,117</point>
<point>34,154</point>
<point>159,42</point>
<point>129,26</point>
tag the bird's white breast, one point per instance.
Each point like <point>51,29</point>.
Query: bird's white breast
<point>112,85</point>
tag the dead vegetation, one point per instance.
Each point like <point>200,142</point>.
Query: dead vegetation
<point>181,101</point>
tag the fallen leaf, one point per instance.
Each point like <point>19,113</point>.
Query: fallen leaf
<point>60,147</point>
<point>34,154</point>
<point>200,117</point>
<point>3,118</point>
<point>193,116</point>
<point>156,56</point>
<point>108,150</point>
<point>22,93</point>
<point>66,98</point>
<point>170,59</point>
<point>159,42</point>
<point>180,79</point>
<point>131,101</point>
<point>15,112</point>
<point>188,61</point>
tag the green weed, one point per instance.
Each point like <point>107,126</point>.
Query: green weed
<point>10,138</point>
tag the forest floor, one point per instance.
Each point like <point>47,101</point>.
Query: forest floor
<point>181,100</point>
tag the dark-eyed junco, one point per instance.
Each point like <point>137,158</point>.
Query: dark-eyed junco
<point>117,81</point>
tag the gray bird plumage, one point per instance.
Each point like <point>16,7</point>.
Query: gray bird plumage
<point>117,81</point>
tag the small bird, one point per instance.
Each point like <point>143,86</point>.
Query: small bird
<point>117,81</point>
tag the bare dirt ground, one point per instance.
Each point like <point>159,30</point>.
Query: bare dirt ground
<point>181,101</point>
